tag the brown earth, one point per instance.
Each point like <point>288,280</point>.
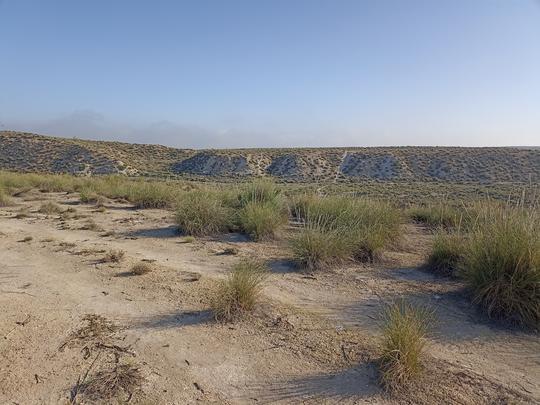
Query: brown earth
<point>71,323</point>
<point>30,152</point>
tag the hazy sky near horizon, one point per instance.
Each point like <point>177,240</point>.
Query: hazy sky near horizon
<point>273,73</point>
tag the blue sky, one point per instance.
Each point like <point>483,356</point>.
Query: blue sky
<point>213,73</point>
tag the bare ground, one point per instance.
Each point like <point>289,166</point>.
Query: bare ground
<point>74,328</point>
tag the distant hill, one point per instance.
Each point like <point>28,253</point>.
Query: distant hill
<point>38,153</point>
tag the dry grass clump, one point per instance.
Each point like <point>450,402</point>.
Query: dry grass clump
<point>50,208</point>
<point>27,239</point>
<point>96,328</point>
<point>114,256</point>
<point>88,195</point>
<point>118,383</point>
<point>100,202</point>
<point>203,212</point>
<point>5,199</point>
<point>501,264</point>
<point>447,252</point>
<point>402,344</point>
<point>240,292</point>
<point>141,268</point>
<point>230,251</point>
<point>340,228</point>
<point>91,225</point>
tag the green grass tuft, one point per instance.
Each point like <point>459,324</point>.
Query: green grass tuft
<point>260,191</point>
<point>261,220</point>
<point>502,264</point>
<point>315,247</point>
<point>336,229</point>
<point>203,212</point>
<point>151,195</point>
<point>240,292</point>
<point>402,344</point>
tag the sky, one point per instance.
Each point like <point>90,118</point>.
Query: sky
<point>273,73</point>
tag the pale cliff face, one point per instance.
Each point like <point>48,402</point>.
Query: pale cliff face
<point>29,152</point>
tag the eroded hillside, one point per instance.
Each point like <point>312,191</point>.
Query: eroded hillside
<point>29,152</point>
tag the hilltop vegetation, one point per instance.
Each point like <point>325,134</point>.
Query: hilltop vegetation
<point>30,152</point>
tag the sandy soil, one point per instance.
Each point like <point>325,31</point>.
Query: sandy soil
<point>68,320</point>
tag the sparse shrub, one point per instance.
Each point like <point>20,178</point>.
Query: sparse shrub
<point>188,239</point>
<point>261,220</point>
<point>240,292</point>
<point>402,344</point>
<point>203,213</point>
<point>447,253</point>
<point>141,268</point>
<point>502,265</point>
<point>27,239</point>
<point>114,256</point>
<point>50,208</point>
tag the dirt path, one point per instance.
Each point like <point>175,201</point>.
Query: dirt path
<point>311,340</point>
